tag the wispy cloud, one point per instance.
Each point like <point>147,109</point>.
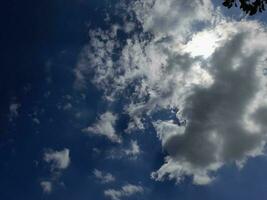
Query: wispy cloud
<point>125,191</point>
<point>131,152</point>
<point>103,177</point>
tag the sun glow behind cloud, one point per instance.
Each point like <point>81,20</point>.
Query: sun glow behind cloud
<point>202,44</point>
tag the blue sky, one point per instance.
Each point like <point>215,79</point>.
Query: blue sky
<point>132,100</point>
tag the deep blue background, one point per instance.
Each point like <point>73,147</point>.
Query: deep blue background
<point>41,40</point>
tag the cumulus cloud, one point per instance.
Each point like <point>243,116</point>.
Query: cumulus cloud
<point>104,127</point>
<point>46,186</point>
<point>59,160</point>
<point>125,191</point>
<point>220,128</point>
<point>212,75</point>
<point>103,177</point>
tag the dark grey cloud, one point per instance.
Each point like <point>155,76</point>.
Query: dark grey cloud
<point>219,110</point>
<point>217,130</point>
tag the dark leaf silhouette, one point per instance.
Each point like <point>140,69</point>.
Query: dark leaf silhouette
<point>250,8</point>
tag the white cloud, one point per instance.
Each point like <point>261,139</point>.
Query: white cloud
<point>59,160</point>
<point>103,177</point>
<point>105,127</point>
<point>46,186</point>
<point>125,191</point>
<point>214,76</point>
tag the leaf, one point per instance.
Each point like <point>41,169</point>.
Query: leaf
<point>253,10</point>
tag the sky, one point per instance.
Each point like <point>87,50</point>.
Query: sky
<point>132,100</point>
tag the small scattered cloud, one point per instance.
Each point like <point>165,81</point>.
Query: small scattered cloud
<point>125,191</point>
<point>14,111</point>
<point>104,126</point>
<point>134,149</point>
<point>132,152</point>
<point>46,186</point>
<point>67,106</point>
<point>59,160</point>
<point>36,120</point>
<point>103,177</point>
